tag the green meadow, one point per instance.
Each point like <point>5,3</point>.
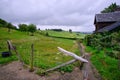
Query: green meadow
<point>46,54</point>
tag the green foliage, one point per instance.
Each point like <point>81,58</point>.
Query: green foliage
<point>102,41</point>
<point>106,65</point>
<point>67,68</point>
<point>7,59</point>
<point>110,8</point>
<point>70,30</point>
<point>23,27</point>
<point>3,23</point>
<point>9,26</point>
<point>47,34</point>
<point>32,28</point>
<point>105,48</point>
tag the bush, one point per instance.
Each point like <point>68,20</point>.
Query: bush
<point>47,34</point>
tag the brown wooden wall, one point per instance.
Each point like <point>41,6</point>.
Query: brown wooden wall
<point>100,25</point>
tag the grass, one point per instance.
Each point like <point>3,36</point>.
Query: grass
<point>7,59</point>
<point>46,54</point>
<point>107,66</point>
<point>64,34</point>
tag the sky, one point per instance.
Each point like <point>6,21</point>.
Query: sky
<point>77,15</point>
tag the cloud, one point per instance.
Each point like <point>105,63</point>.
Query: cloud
<point>53,12</point>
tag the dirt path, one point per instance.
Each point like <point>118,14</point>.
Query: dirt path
<point>14,71</point>
<point>91,70</point>
<point>88,70</point>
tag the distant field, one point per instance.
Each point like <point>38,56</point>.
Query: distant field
<point>46,54</point>
<point>64,34</point>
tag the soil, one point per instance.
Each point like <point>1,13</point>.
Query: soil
<point>15,71</point>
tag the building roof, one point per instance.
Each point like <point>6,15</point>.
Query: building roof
<point>107,17</point>
<point>109,28</point>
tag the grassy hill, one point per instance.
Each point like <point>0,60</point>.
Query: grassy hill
<point>46,54</point>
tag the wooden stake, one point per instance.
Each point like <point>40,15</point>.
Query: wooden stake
<point>31,61</point>
<point>11,47</point>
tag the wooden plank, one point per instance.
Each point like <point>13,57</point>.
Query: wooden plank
<point>72,54</point>
<point>64,64</point>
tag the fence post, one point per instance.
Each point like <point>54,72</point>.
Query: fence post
<point>31,59</point>
<point>11,47</point>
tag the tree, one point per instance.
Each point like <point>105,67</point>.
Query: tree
<point>9,26</point>
<point>39,29</point>
<point>110,8</point>
<point>23,27</point>
<point>32,28</point>
<point>70,30</point>
<point>3,23</point>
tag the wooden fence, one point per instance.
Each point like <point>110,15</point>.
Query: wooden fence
<point>87,72</point>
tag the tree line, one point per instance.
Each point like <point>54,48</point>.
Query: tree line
<point>27,28</point>
<point>21,27</point>
<point>6,24</point>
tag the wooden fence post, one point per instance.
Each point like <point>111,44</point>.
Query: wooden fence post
<point>31,57</point>
<point>11,47</point>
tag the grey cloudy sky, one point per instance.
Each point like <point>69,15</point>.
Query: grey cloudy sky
<point>75,14</point>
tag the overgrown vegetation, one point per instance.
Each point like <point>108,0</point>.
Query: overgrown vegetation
<point>105,49</point>
<point>107,41</point>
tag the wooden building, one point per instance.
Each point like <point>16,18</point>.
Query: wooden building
<point>107,21</point>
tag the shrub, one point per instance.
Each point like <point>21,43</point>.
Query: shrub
<point>47,34</point>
